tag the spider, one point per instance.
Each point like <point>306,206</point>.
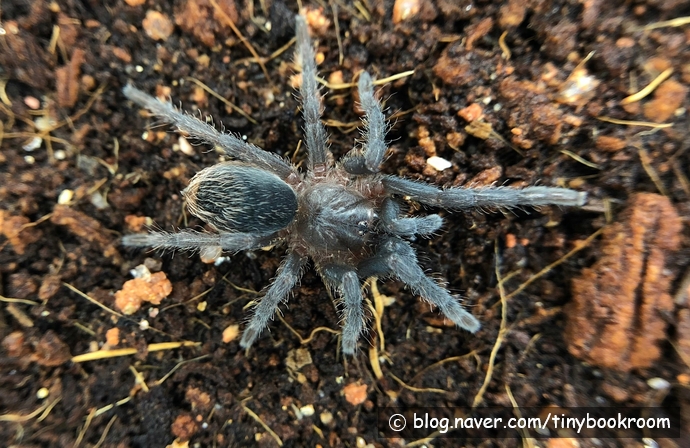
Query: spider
<point>344,216</point>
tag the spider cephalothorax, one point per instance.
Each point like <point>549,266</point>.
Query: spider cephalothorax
<point>346,216</point>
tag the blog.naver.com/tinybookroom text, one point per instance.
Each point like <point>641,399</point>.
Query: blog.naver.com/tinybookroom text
<point>544,422</point>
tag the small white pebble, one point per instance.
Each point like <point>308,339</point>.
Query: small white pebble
<point>405,9</point>
<point>30,159</point>
<point>99,201</point>
<point>153,312</point>
<point>44,123</point>
<point>139,68</point>
<point>269,98</point>
<point>32,102</point>
<point>11,27</point>
<point>185,147</point>
<point>141,271</point>
<point>307,410</point>
<point>438,163</point>
<point>42,393</point>
<point>220,260</point>
<point>658,383</point>
<point>65,197</point>
<point>144,324</point>
<point>60,154</point>
<point>33,144</point>
<point>326,417</point>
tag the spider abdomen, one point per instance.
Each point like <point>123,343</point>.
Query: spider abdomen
<point>237,198</point>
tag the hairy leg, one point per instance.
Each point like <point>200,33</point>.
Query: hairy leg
<point>314,131</point>
<point>288,275</point>
<point>233,146</point>
<point>407,227</point>
<point>397,258</point>
<point>346,281</point>
<point>193,240</point>
<point>368,161</point>
<point>500,197</point>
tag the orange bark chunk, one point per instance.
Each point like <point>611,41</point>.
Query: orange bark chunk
<point>87,229</point>
<point>615,319</point>
<point>18,231</point>
<point>67,79</point>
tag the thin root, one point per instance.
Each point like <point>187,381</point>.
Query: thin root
<point>311,335</point>
<point>258,419</point>
<point>649,89</point>
<point>105,354</point>
<point>223,100</point>
<point>417,389</point>
<point>502,331</point>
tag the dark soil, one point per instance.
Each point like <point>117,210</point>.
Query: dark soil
<point>62,67</point>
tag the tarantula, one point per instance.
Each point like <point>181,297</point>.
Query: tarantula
<point>345,216</point>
